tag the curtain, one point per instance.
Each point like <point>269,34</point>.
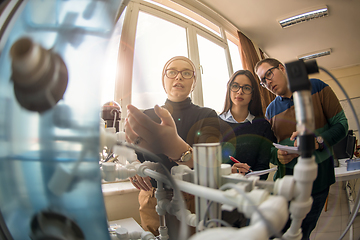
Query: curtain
<point>249,58</point>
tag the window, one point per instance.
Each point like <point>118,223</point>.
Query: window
<point>108,80</point>
<point>156,41</point>
<point>214,73</point>
<point>234,52</point>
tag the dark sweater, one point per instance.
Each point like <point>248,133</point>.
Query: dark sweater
<point>194,124</point>
<point>248,142</point>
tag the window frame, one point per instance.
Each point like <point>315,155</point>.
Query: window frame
<point>123,79</point>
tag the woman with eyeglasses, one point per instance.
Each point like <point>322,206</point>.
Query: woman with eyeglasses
<point>247,135</point>
<point>170,131</point>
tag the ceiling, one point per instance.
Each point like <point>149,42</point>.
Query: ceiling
<point>257,19</point>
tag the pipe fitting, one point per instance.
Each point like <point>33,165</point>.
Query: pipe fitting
<point>275,210</point>
<point>179,171</point>
<point>126,152</point>
<point>162,207</point>
<point>191,219</point>
<point>305,170</point>
<point>285,187</point>
<point>147,236</point>
<point>145,165</point>
<point>40,76</point>
<point>160,194</point>
<point>125,172</point>
<point>257,197</point>
<point>163,232</point>
<point>300,209</point>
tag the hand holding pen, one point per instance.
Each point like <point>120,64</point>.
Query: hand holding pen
<point>239,167</point>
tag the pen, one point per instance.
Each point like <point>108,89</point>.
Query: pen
<point>233,159</point>
<point>237,161</point>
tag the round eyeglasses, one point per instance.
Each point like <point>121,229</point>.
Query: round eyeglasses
<point>247,89</point>
<point>171,73</point>
<point>268,75</point>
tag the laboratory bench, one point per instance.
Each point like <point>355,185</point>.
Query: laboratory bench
<point>121,200</point>
<point>344,176</point>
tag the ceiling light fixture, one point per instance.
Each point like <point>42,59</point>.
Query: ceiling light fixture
<point>315,54</point>
<point>318,13</point>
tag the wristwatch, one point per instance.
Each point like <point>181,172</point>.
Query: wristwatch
<point>185,156</point>
<point>320,141</point>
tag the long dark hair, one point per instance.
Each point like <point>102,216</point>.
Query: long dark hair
<point>255,106</point>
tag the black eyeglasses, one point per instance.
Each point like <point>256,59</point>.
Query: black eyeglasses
<point>247,89</point>
<point>171,73</point>
<point>268,75</point>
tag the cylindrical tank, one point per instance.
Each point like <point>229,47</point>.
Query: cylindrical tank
<point>49,119</point>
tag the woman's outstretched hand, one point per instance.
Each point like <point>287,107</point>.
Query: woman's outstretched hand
<point>157,138</point>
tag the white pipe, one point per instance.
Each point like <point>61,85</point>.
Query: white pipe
<point>256,232</point>
<point>275,211</point>
<point>205,192</point>
<point>163,233</point>
<point>197,190</point>
<point>123,234</point>
<point>305,172</point>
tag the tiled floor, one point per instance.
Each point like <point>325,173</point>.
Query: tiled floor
<point>332,223</point>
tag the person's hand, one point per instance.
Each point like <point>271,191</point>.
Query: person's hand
<point>284,157</point>
<point>241,168</point>
<point>157,138</point>
<point>294,138</point>
<point>141,183</point>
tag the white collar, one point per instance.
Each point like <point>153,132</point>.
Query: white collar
<point>227,116</point>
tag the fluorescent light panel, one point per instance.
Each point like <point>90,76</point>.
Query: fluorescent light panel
<point>323,12</point>
<point>315,55</point>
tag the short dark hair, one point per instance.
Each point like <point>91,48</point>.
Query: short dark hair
<point>271,61</point>
<point>255,105</point>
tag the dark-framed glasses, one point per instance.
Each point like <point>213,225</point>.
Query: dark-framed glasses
<point>268,75</point>
<point>171,73</point>
<point>247,89</point>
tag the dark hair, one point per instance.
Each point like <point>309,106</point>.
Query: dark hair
<point>271,61</point>
<point>255,106</point>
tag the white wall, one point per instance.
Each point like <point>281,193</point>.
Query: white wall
<point>349,78</point>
